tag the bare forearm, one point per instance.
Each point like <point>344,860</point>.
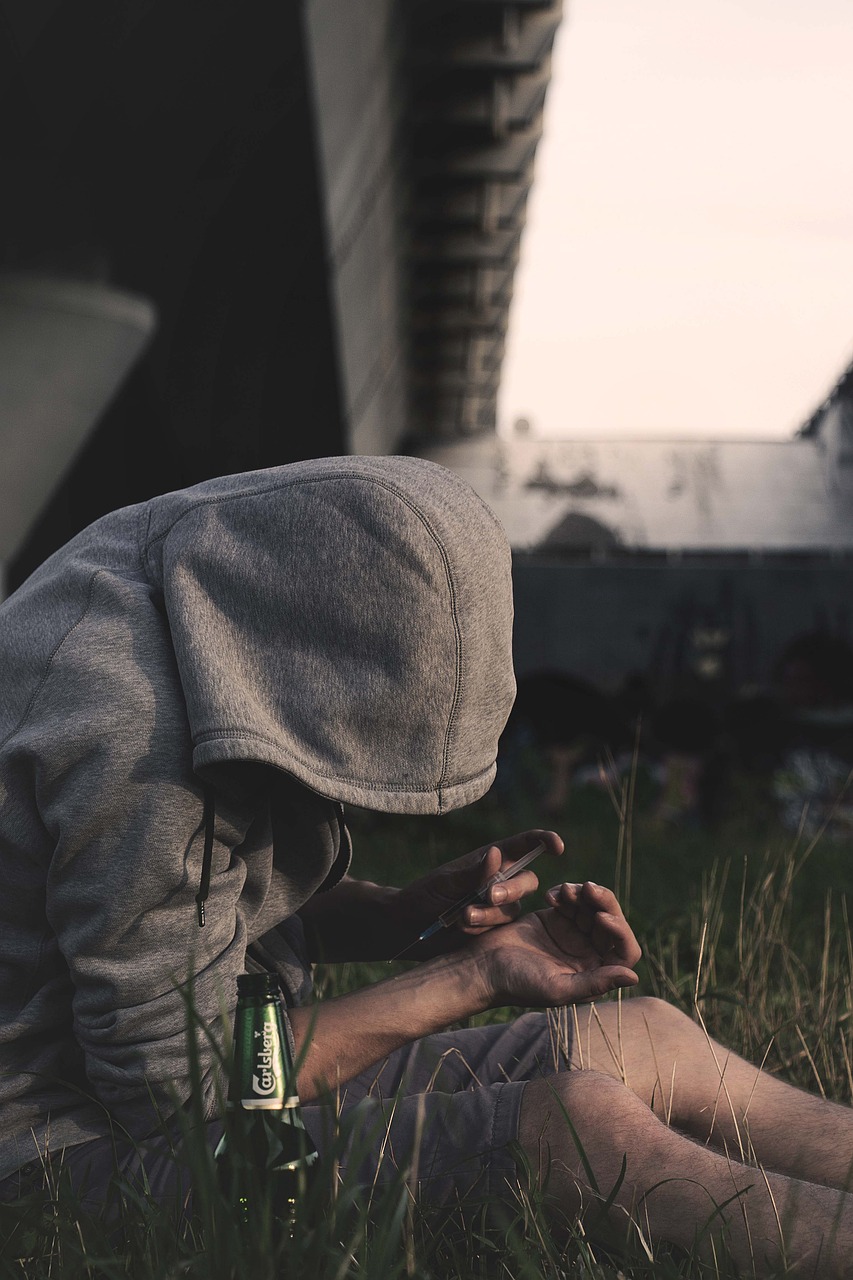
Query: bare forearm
<point>578,949</point>
<point>340,1038</point>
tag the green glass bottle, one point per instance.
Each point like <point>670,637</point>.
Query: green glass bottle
<point>265,1156</point>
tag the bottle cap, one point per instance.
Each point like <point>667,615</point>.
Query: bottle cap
<point>258,984</point>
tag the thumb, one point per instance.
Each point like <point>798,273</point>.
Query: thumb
<point>598,982</point>
<point>454,880</point>
<point>490,862</point>
<point>472,872</point>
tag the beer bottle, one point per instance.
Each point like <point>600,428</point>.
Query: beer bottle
<point>265,1155</point>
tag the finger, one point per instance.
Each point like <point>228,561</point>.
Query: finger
<point>513,890</point>
<point>608,933</point>
<point>490,862</point>
<point>479,919</point>
<point>513,847</point>
<point>507,892</point>
<point>564,895</point>
<point>613,934</point>
<point>602,898</point>
<point>469,872</point>
<point>569,901</point>
<point>480,867</point>
<point>594,983</point>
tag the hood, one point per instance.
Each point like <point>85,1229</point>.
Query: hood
<point>346,620</point>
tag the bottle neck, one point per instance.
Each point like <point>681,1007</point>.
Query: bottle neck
<point>263,1078</point>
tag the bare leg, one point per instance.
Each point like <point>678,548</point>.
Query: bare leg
<point>696,1085</point>
<point>675,1189</point>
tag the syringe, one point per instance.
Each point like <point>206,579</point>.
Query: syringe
<point>480,896</point>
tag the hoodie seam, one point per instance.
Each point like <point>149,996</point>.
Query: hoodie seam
<point>215,499</point>
<point>49,664</point>
<point>142,535</point>
<point>453,715</point>
<point>245,735</point>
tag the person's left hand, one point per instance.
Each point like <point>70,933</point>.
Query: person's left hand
<point>577,949</point>
<point>419,904</point>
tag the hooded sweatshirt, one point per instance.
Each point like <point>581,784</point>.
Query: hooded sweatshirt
<point>192,688</point>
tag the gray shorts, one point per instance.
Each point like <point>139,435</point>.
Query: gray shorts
<point>441,1113</point>
<point>444,1110</point>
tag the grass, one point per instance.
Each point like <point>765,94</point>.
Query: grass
<point>744,926</point>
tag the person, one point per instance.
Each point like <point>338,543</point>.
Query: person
<point>193,689</point>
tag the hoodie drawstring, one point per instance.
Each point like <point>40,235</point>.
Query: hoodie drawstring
<point>207,858</point>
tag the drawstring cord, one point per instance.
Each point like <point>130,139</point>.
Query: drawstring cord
<point>207,859</point>
<point>337,872</point>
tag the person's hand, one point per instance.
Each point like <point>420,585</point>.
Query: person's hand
<point>577,949</point>
<point>421,903</point>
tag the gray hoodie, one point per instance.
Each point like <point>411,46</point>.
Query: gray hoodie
<point>191,689</point>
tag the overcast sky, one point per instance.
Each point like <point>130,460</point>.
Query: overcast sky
<point>687,264</point>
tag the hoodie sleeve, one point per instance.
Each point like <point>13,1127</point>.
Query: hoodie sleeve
<point>124,813</point>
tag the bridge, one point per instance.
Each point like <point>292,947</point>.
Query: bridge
<point>301,220</point>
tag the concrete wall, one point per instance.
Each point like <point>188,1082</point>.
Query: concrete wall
<point>354,53</point>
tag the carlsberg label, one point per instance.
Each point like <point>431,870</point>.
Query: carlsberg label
<point>267,1070</point>
<point>265,1081</point>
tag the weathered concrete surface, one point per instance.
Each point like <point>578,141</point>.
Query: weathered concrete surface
<point>666,558</point>
<point>354,57</point>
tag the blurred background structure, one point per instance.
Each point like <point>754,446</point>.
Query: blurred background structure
<point>235,237</point>
<point>321,202</point>
<point>693,562</point>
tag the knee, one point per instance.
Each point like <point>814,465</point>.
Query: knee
<point>586,1101</point>
<point>583,1134</point>
<point>582,1119</point>
<point>663,1020</point>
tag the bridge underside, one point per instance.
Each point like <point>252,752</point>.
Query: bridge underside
<point>429,115</point>
<point>322,202</point>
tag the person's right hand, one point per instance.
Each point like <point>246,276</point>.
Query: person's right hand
<point>574,951</point>
<point>418,904</point>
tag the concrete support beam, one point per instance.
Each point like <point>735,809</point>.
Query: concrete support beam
<point>429,113</point>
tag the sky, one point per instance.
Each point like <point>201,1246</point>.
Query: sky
<point>687,264</point>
